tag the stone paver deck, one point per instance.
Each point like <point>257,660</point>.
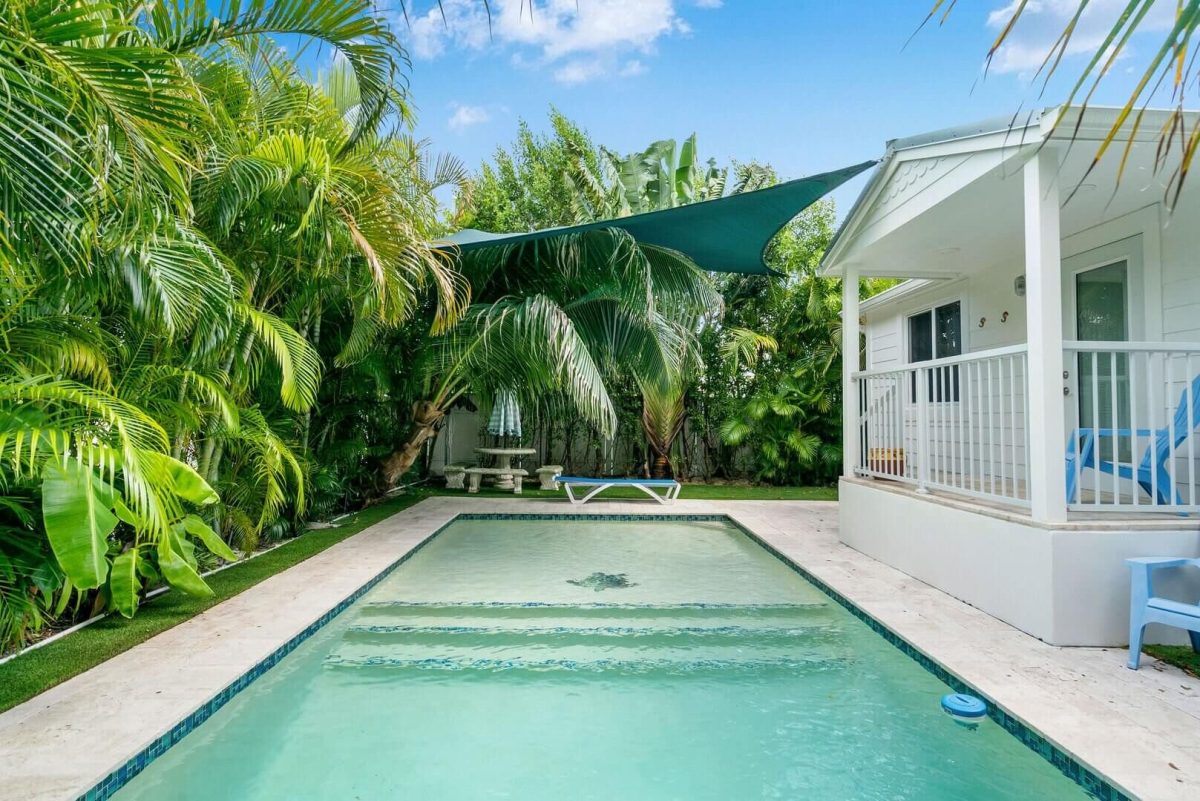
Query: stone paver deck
<point>1139,729</point>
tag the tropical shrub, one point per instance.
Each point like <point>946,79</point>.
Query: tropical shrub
<point>180,212</point>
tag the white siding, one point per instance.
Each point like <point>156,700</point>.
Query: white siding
<point>883,343</point>
<point>959,430</point>
<point>1181,271</point>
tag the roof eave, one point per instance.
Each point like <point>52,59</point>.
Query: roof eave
<point>829,264</point>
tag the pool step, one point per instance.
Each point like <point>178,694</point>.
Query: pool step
<point>559,636</point>
<point>684,638</point>
<point>647,615</point>
<point>595,664</point>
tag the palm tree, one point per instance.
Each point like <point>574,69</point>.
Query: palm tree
<point>175,208</point>
<point>528,344</point>
<point>657,178</point>
<point>318,226</point>
<point>558,316</point>
<point>1171,64</point>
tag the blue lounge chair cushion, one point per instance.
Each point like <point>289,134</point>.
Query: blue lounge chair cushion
<point>648,482</point>
<point>663,490</point>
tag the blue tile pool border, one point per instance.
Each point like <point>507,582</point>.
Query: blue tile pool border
<point>1092,783</point>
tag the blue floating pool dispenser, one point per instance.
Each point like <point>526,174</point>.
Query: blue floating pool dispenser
<point>966,710</point>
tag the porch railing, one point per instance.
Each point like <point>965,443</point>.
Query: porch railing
<point>1132,413</point>
<point>956,424</point>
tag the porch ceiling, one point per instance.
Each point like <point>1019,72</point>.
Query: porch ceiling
<point>981,224</point>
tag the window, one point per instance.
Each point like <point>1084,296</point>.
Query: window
<point>936,334</point>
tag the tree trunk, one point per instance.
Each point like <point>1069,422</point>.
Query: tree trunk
<point>426,416</point>
<point>306,423</point>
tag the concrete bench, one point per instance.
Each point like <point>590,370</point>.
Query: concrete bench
<point>547,473</point>
<point>455,475</point>
<point>476,474</point>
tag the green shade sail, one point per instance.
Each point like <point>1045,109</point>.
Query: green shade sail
<point>726,235</point>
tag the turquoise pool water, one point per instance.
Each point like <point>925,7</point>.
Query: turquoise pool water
<point>549,660</point>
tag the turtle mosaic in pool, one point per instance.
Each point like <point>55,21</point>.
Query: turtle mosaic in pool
<point>603,581</point>
<point>595,659</point>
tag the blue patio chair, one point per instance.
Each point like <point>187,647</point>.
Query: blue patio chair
<point>1151,472</point>
<point>1146,608</point>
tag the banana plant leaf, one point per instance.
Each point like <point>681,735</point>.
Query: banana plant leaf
<point>78,516</point>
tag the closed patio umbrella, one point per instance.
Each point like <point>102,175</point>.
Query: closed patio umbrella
<point>506,415</point>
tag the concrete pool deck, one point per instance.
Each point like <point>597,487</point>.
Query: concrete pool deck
<point>1140,730</point>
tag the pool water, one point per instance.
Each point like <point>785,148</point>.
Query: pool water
<point>548,660</point>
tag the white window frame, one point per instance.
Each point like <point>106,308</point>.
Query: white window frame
<point>932,307</point>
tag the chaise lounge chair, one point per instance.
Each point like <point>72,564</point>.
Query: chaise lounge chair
<point>1151,473</point>
<point>646,485</point>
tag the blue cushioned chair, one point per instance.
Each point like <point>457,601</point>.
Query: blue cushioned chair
<point>1151,473</point>
<point>1145,607</point>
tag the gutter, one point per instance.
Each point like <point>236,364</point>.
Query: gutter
<point>867,191</point>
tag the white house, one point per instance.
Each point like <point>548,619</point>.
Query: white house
<point>1021,409</point>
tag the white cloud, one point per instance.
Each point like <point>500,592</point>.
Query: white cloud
<point>466,116</point>
<point>578,41</point>
<point>1043,21</point>
<point>631,68</point>
<point>579,71</point>
<point>709,3</point>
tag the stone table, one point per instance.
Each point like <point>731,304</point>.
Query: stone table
<point>504,457</point>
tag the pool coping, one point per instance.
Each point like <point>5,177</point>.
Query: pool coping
<point>766,531</point>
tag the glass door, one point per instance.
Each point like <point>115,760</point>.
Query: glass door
<point>1102,315</point>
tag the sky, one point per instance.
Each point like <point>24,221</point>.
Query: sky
<point>805,85</point>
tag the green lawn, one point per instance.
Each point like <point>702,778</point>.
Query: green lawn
<point>40,669</point>
<point>1181,656</point>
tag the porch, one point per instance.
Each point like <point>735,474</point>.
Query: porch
<point>1043,351</point>
<point>1021,415</point>
<point>959,426</point>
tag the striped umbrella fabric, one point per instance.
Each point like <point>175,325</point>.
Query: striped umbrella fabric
<point>506,415</point>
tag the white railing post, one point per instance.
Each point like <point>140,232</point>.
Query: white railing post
<point>850,402</point>
<point>1044,306</point>
<point>942,424</point>
<point>924,447</point>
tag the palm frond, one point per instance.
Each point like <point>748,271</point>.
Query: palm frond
<point>299,364</point>
<point>352,27</point>
<point>529,345</point>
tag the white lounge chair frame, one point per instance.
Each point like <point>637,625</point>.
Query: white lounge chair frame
<point>599,485</point>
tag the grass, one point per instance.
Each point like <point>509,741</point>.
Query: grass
<point>42,668</point>
<point>1181,656</point>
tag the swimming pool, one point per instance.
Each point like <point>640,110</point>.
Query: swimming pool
<point>595,659</point>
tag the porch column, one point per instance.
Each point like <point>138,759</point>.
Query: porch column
<point>1046,417</point>
<point>849,367</point>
